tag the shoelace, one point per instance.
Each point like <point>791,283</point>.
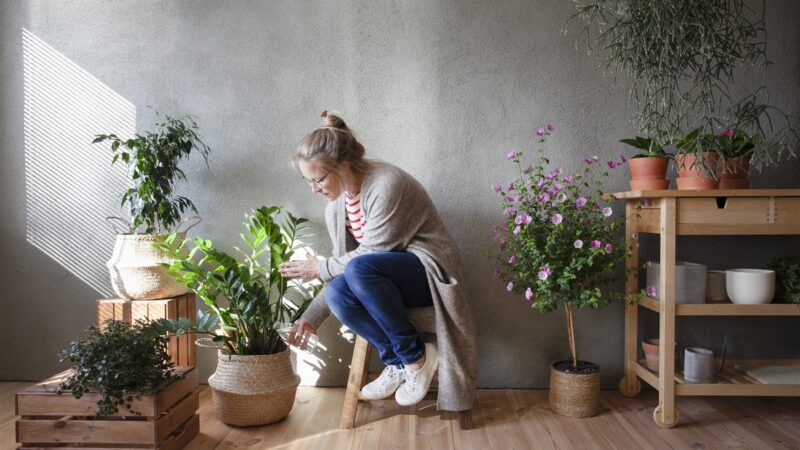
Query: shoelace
<point>411,378</point>
<point>388,375</point>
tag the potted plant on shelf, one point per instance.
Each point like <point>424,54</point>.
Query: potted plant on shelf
<point>152,160</point>
<point>648,168</point>
<point>681,58</point>
<point>254,383</point>
<point>697,158</point>
<point>559,245</point>
<point>735,148</point>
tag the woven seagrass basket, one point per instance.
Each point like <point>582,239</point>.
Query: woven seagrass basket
<point>252,390</point>
<point>575,394</point>
<point>135,267</point>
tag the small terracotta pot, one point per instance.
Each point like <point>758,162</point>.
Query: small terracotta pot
<point>733,173</point>
<point>648,173</point>
<point>692,174</point>
<point>650,347</point>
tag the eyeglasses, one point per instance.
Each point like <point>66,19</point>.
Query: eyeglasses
<point>317,183</point>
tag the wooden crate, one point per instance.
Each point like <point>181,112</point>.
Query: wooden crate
<point>181,349</point>
<point>165,420</point>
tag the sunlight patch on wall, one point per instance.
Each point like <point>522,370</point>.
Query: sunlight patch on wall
<point>70,184</point>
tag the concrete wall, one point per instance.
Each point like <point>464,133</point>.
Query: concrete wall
<point>441,88</point>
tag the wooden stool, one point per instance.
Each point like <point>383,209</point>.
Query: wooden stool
<point>424,320</point>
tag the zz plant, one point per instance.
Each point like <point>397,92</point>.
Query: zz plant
<point>152,161</point>
<point>122,362</point>
<point>257,298</point>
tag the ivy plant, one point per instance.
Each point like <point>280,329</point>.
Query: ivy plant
<point>247,297</point>
<point>152,161</point>
<point>122,362</point>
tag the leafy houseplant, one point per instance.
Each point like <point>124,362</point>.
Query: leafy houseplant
<point>681,58</point>
<point>152,160</point>
<point>557,246</point>
<point>253,359</point>
<point>787,271</point>
<point>122,362</point>
<point>648,168</point>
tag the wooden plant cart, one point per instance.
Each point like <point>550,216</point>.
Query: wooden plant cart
<point>670,213</point>
<point>166,420</point>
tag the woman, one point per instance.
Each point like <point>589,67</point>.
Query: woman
<point>391,251</point>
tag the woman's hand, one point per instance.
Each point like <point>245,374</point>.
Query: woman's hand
<point>301,333</point>
<point>305,270</point>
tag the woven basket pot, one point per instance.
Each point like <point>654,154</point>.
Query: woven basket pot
<point>575,394</point>
<point>252,390</point>
<point>136,271</point>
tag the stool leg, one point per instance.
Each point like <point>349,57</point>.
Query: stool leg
<point>359,366</point>
<point>465,419</point>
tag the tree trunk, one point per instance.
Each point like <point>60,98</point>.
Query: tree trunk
<point>571,334</point>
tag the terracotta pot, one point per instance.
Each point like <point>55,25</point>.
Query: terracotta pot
<point>692,174</point>
<point>650,347</point>
<point>648,173</point>
<point>733,173</point>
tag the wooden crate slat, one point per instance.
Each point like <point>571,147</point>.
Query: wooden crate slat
<point>41,399</point>
<point>184,436</point>
<point>130,432</point>
<point>179,414</point>
<point>165,399</point>
<point>182,350</point>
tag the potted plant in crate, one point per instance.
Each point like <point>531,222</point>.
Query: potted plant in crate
<point>152,160</point>
<point>557,246</point>
<point>648,168</point>
<point>126,394</point>
<point>254,383</point>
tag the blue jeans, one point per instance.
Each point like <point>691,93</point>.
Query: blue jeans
<point>371,296</point>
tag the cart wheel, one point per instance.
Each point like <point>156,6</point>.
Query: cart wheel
<point>660,423</point>
<point>630,391</point>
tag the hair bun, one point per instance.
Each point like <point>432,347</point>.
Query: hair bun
<point>332,120</point>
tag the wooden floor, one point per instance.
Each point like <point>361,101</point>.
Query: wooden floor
<point>505,419</point>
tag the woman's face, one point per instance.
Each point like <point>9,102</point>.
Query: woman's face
<point>323,181</point>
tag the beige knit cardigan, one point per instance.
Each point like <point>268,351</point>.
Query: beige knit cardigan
<point>401,217</point>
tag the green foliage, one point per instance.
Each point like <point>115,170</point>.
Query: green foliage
<point>560,241</point>
<point>122,363</point>
<point>787,271</point>
<point>650,147</point>
<point>152,162</point>
<point>257,296</point>
<point>681,57</point>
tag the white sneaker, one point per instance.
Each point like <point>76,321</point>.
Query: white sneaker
<point>417,383</point>
<point>385,385</point>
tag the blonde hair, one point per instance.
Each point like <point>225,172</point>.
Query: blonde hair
<point>332,144</point>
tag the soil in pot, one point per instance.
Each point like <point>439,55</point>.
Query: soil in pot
<point>575,391</point>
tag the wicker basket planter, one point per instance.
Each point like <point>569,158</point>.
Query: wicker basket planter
<point>575,393</point>
<point>252,390</point>
<point>136,271</point>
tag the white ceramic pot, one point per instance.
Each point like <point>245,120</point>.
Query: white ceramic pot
<point>750,286</point>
